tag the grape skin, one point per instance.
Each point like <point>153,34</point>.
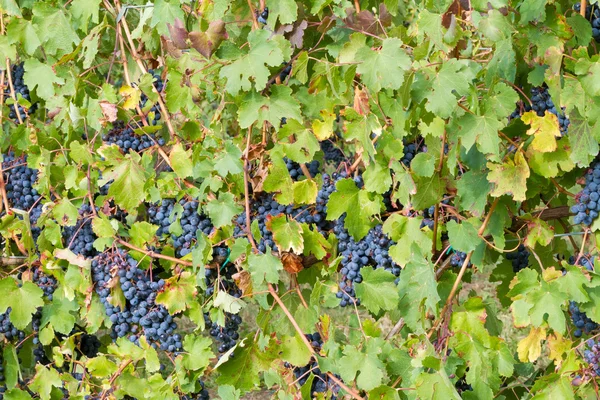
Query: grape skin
<point>123,136</point>
<point>21,90</point>
<point>587,201</point>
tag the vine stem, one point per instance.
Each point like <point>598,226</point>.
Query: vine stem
<point>114,377</point>
<point>583,7</point>
<point>307,343</point>
<point>153,254</point>
<point>12,91</point>
<point>436,210</point>
<point>253,14</point>
<point>246,191</point>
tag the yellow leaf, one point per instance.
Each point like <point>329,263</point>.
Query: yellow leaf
<point>530,348</point>
<point>131,95</point>
<point>324,129</point>
<point>558,346</point>
<point>550,274</point>
<point>544,129</point>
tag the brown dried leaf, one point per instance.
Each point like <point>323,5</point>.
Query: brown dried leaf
<point>364,21</point>
<point>179,34</point>
<point>361,101</point>
<point>243,280</point>
<point>109,111</point>
<point>258,178</point>
<point>292,263</point>
<point>172,50</point>
<point>296,32</point>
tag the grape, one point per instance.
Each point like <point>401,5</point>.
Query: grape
<point>285,72</point>
<point>202,394</point>
<point>3,387</point>
<point>542,102</point>
<point>429,215</point>
<point>123,136</point>
<point>159,85</point>
<point>411,150</point>
<point>587,204</point>
<point>21,90</point>
<point>89,345</point>
<point>264,16</point>
<point>519,258</point>
<point>47,283</point>
<point>592,14</point>
<point>461,385</point>
<point>583,324</point>
<point>141,314</point>
<point>80,237</point>
<point>8,329</point>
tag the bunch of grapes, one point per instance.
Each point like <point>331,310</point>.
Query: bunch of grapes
<point>592,14</point>
<point>17,72</point>
<point>582,322</point>
<point>89,345</point>
<point>80,237</point>
<point>372,250</point>
<point>429,215</point>
<point>321,382</point>
<point>191,221</point>
<point>8,329</point>
<point>159,85</point>
<point>519,258</point>
<point>592,356</point>
<point>458,258</point>
<point>47,283</point>
<point>542,102</point>
<point>332,153</point>
<point>587,204</point>
<point>140,315</point>
<point>123,136</point>
<point>461,385</point>
<point>411,150</point>
<point>296,172</point>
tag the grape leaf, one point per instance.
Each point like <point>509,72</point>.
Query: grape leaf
<point>23,301</point>
<point>358,205</point>
<point>454,76</point>
<point>41,76</point>
<point>198,352</point>
<point>530,347</point>
<point>264,268</point>
<point>544,129</point>
<point>221,211</point>
<point>377,290</point>
<point>294,350</point>
<point>178,292</point>
<point>463,236</point>
<point>510,177</point>
<point>44,380</point>
<point>257,109</point>
<point>383,69</point>
<point>287,233</point>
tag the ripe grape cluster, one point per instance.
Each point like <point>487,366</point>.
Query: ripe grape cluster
<point>123,136</point>
<point>80,237</point>
<point>519,258</point>
<point>89,345</point>
<point>191,221</point>
<point>582,322</point>
<point>140,315</point>
<point>159,85</point>
<point>296,172</point>
<point>592,355</point>
<point>17,73</point>
<point>332,153</point>
<point>457,259</point>
<point>592,14</point>
<point>9,331</point>
<point>542,102</point>
<point>587,201</point>
<point>45,282</point>
<point>321,382</point>
<point>411,150</point>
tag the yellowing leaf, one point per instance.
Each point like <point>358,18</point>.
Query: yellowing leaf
<point>530,348</point>
<point>510,177</point>
<point>544,129</point>
<point>558,346</point>
<point>131,95</point>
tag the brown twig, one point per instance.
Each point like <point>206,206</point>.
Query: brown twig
<point>12,91</point>
<point>253,14</point>
<point>246,191</point>
<point>395,329</point>
<point>153,254</point>
<point>561,189</point>
<point>307,343</point>
<point>114,377</point>
<point>583,7</point>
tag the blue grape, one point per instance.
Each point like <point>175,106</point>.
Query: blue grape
<point>123,136</point>
<point>587,204</point>
<point>21,90</point>
<point>263,16</point>
<point>542,102</point>
<point>80,237</point>
<point>519,258</point>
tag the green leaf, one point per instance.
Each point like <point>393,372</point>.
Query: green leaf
<point>583,137</point>
<point>257,109</point>
<point>60,313</point>
<point>23,301</point>
<point>430,191</point>
<point>252,67</point>
<point>358,205</point>
<point>12,369</point>
<point>473,191</point>
<point>198,352</point>
<point>287,233</point>
<point>44,380</point>
<point>264,268</point>
<point>11,8</point>
<point>178,292</point>
<point>284,10</point>
<point>405,231</point>
<point>463,236</point>
<point>129,181</point>
<point>377,178</point>
<point>41,76</point>
<point>181,161</point>
<point>482,131</point>
<point>294,350</point>
<point>454,76</point>
<point>54,30</point>
<point>165,12</point>
<point>383,69</point>
<point>532,10</point>
<point>377,290</point>
<point>222,211</point>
